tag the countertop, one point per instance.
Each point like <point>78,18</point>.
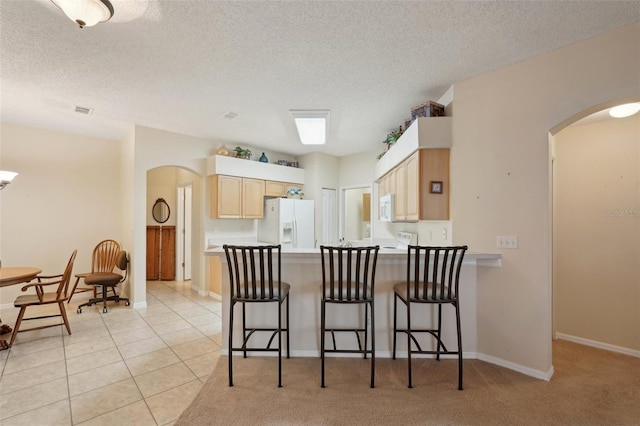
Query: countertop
<point>481,259</point>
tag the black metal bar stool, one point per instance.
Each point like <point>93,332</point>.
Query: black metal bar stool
<point>433,277</point>
<point>255,277</point>
<point>348,277</point>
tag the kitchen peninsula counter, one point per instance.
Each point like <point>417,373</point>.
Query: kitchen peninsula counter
<point>303,270</point>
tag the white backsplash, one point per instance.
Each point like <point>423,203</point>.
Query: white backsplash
<point>429,232</point>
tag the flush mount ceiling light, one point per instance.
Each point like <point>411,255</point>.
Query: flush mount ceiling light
<point>312,125</point>
<point>86,13</point>
<point>6,177</point>
<point>626,110</point>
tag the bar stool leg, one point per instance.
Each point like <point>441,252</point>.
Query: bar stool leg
<point>244,330</point>
<point>288,352</point>
<point>231,344</point>
<point>409,341</point>
<point>366,328</point>
<point>279,343</point>
<point>322,337</point>
<point>373,347</point>
<point>459,347</point>
<point>395,322</point>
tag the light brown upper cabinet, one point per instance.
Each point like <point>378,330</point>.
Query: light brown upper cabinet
<point>252,198</point>
<point>278,189</point>
<point>420,185</point>
<point>234,197</point>
<point>399,176</point>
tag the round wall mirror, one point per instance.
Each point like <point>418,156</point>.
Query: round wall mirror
<point>160,211</point>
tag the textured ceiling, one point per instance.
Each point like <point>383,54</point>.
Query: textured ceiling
<point>180,65</point>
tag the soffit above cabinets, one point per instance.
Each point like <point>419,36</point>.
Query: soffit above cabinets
<point>230,166</point>
<point>425,132</point>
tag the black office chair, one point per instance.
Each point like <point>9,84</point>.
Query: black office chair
<point>433,277</point>
<point>348,277</point>
<point>255,277</point>
<point>107,280</point>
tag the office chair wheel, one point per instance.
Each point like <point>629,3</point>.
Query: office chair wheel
<point>79,310</point>
<point>126,303</point>
<point>104,310</point>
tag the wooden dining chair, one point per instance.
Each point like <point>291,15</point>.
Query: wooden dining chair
<point>103,259</point>
<point>58,286</point>
<point>108,280</point>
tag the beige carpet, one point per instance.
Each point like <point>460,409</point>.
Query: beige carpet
<point>589,387</point>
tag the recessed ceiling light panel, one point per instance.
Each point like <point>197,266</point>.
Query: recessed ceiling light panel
<point>312,126</point>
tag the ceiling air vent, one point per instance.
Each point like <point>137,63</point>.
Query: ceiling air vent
<point>229,115</point>
<point>84,110</point>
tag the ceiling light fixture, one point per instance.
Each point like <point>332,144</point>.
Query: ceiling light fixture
<point>625,110</point>
<point>6,177</point>
<point>312,125</point>
<point>86,13</point>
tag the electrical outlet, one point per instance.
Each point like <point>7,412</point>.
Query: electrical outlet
<point>507,242</point>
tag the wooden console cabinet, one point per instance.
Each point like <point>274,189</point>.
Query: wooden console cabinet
<point>161,253</point>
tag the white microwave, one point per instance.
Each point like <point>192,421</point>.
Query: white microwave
<point>386,208</point>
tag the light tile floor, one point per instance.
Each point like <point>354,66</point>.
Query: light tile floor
<point>125,367</point>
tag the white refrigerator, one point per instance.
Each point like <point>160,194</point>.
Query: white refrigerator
<point>288,222</point>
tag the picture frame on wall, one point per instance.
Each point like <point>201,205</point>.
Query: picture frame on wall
<point>436,187</point>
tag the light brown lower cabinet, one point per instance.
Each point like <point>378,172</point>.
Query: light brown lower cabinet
<point>161,253</point>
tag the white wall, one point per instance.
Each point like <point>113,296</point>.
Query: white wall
<point>501,179</point>
<point>596,248</point>
<point>321,171</point>
<point>67,196</point>
<point>155,148</point>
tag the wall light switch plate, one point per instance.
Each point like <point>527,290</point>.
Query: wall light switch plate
<point>507,242</point>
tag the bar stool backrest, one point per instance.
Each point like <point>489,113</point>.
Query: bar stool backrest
<point>348,273</point>
<point>435,271</point>
<point>254,271</point>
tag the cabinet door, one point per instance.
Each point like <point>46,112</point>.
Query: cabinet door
<point>400,175</point>
<point>168,254</point>
<point>412,195</point>
<point>252,198</point>
<point>228,203</point>
<point>274,189</point>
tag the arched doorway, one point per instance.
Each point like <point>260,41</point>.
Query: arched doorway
<point>174,185</point>
<point>596,232</point>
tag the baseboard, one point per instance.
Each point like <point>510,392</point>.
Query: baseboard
<point>538,374</point>
<point>140,305</point>
<point>599,345</point>
<point>215,296</point>
<point>6,306</point>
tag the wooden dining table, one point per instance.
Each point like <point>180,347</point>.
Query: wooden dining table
<point>16,275</point>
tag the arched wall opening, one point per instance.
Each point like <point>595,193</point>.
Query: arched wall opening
<point>596,229</point>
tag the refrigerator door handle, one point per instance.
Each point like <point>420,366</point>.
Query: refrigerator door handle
<point>295,234</point>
